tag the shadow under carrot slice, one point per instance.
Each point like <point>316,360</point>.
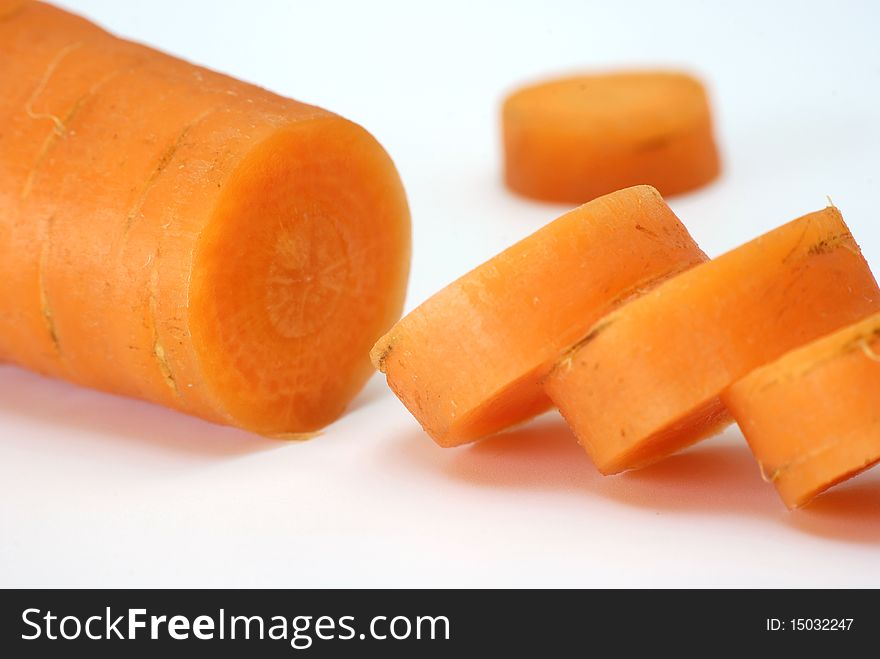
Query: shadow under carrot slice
<point>718,477</point>
<point>851,512</point>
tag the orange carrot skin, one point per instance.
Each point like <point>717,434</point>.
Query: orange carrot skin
<point>812,418</point>
<point>469,361</point>
<point>28,55</point>
<point>573,139</point>
<point>127,176</point>
<point>647,380</point>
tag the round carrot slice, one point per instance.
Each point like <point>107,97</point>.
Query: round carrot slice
<point>469,361</point>
<point>812,418</point>
<point>573,139</point>
<point>646,379</point>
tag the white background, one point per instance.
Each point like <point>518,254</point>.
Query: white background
<point>101,491</point>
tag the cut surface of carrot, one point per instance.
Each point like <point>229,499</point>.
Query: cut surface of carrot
<point>469,361</point>
<point>573,139</point>
<point>812,418</point>
<point>173,234</point>
<point>646,380</point>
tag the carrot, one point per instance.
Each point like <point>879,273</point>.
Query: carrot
<point>469,361</point>
<point>576,138</point>
<point>812,418</point>
<point>9,7</point>
<point>646,380</point>
<point>169,233</point>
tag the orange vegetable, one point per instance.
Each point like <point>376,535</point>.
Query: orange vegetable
<point>469,361</point>
<point>573,139</point>
<point>812,418</point>
<point>646,380</point>
<point>170,233</point>
<point>8,7</point>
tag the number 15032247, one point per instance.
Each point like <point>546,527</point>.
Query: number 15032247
<point>809,624</point>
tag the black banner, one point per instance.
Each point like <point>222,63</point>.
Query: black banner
<point>317,623</point>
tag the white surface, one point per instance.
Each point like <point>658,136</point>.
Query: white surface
<point>101,491</point>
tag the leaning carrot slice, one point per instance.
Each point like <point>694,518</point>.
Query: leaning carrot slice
<point>812,418</point>
<point>646,380</point>
<point>468,362</point>
<point>170,233</point>
<point>576,138</point>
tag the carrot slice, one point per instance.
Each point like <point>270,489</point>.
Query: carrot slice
<point>576,138</point>
<point>8,7</point>
<point>812,418</point>
<point>169,233</point>
<point>647,378</point>
<point>469,361</point>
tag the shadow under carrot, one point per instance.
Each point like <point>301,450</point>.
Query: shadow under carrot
<point>718,476</point>
<point>117,423</point>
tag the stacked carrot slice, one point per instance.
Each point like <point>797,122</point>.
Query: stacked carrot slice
<point>470,360</point>
<point>812,417</point>
<point>671,347</point>
<point>648,380</point>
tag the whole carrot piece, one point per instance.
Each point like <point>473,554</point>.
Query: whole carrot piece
<point>170,233</point>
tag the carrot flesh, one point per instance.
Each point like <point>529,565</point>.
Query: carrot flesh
<point>469,361</point>
<point>176,235</point>
<point>647,380</point>
<point>9,7</point>
<point>812,417</point>
<point>334,283</point>
<point>573,139</point>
